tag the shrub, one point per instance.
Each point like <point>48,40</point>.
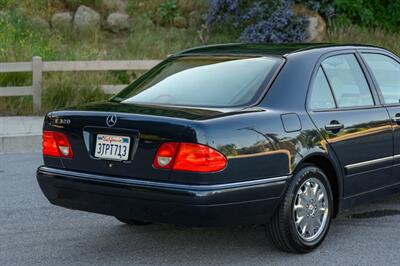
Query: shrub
<point>274,21</point>
<point>280,26</point>
<point>167,11</point>
<point>258,21</point>
<point>383,14</point>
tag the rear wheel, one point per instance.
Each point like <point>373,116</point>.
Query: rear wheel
<point>302,221</point>
<point>132,221</point>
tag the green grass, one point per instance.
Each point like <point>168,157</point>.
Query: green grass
<point>355,34</point>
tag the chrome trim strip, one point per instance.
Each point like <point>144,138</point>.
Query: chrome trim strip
<point>371,162</point>
<point>96,177</point>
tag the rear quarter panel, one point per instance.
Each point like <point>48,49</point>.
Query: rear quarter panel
<point>254,143</point>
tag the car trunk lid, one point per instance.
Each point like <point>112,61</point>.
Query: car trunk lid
<point>147,127</point>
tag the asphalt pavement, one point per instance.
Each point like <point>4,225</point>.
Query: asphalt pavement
<point>33,232</point>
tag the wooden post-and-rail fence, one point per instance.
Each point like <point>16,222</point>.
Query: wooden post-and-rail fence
<point>37,67</point>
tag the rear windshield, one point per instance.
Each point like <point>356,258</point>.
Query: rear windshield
<point>202,81</point>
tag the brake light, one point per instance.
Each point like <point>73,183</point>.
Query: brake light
<point>56,144</point>
<point>189,157</point>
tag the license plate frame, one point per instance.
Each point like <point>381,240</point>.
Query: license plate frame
<point>112,147</point>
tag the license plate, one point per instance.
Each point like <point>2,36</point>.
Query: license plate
<point>112,147</point>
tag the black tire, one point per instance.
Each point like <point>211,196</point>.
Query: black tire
<point>132,221</point>
<point>282,229</point>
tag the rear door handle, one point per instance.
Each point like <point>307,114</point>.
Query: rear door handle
<point>334,126</point>
<point>396,118</point>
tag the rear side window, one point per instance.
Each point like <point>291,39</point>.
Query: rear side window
<point>348,82</point>
<point>321,95</point>
<point>212,81</point>
<point>387,74</point>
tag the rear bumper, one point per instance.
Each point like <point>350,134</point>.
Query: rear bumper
<point>249,202</point>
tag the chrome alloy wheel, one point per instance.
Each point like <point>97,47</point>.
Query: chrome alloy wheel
<point>310,209</point>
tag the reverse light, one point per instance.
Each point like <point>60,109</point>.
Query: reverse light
<point>190,157</point>
<point>56,144</point>
<point>165,155</point>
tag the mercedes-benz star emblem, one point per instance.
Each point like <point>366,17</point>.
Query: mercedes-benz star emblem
<point>111,120</point>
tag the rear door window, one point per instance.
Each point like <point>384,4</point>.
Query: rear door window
<point>349,86</point>
<point>387,74</point>
<point>321,95</point>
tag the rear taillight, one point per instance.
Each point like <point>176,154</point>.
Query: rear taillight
<point>189,157</point>
<point>56,144</point>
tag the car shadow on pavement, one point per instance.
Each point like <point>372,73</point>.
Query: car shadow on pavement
<point>195,243</point>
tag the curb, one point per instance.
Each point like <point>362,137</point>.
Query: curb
<point>20,134</point>
<point>20,143</point>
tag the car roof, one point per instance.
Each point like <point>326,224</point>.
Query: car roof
<point>268,49</point>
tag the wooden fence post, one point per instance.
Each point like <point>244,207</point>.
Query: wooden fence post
<point>37,70</point>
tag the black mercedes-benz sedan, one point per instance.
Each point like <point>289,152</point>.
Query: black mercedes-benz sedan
<point>282,135</point>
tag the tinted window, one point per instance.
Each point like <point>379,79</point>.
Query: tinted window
<point>321,95</point>
<point>348,81</point>
<point>203,81</point>
<point>387,74</point>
